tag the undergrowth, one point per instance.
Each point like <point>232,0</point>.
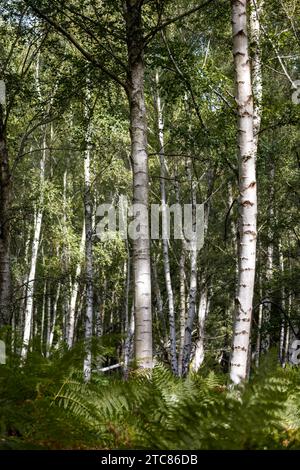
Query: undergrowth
<point>44,404</point>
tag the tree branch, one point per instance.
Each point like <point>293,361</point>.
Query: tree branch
<point>77,45</point>
<point>169,21</point>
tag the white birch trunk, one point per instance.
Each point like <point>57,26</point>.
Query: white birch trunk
<point>202,313</point>
<point>25,284</point>
<point>54,317</point>
<point>43,316</point>
<point>182,290</point>
<point>100,326</point>
<point>127,282</point>
<point>204,297</point>
<point>267,307</point>
<point>259,324</point>
<point>182,318</point>
<point>139,157</point>
<point>248,197</point>
<point>193,253</point>
<point>159,302</point>
<point>165,241</point>
<point>128,344</point>
<point>74,293</point>
<point>87,365</point>
<point>5,216</point>
<point>283,324</point>
<point>67,287</point>
<point>187,348</point>
<point>48,320</point>
<point>28,314</point>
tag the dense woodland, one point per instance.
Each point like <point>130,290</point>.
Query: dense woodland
<point>149,343</point>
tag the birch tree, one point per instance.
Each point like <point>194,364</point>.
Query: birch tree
<point>74,292</point>
<point>5,197</point>
<point>193,254</point>
<point>89,273</point>
<point>204,302</point>
<point>202,313</point>
<point>248,198</point>
<point>38,217</point>
<point>165,241</point>
<point>138,131</point>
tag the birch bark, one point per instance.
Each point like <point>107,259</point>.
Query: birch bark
<point>139,156</point>
<point>28,314</point>
<point>5,197</point>
<point>87,365</point>
<point>202,313</point>
<point>248,196</point>
<point>182,289</point>
<point>54,317</point>
<point>193,252</point>
<point>165,241</point>
<point>204,302</point>
<point>74,293</point>
<point>182,318</point>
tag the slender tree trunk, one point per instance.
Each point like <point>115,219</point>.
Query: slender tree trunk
<point>259,323</point>
<point>67,286</point>
<point>24,285</point>
<point>256,7</point>
<point>267,307</point>
<point>127,284</point>
<point>287,307</point>
<point>283,324</point>
<point>202,313</point>
<point>43,316</point>
<point>34,254</point>
<point>128,344</point>
<point>182,318</point>
<point>248,197</point>
<point>204,297</point>
<point>13,332</point>
<point>74,293</point>
<point>102,309</point>
<point>288,331</point>
<point>54,317</point>
<point>182,289</point>
<point>159,302</point>
<point>5,197</point>
<point>191,313</point>
<point>165,241</point>
<point>99,320</point>
<point>187,348</point>
<point>49,307</point>
<point>87,366</point>
<point>138,132</point>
